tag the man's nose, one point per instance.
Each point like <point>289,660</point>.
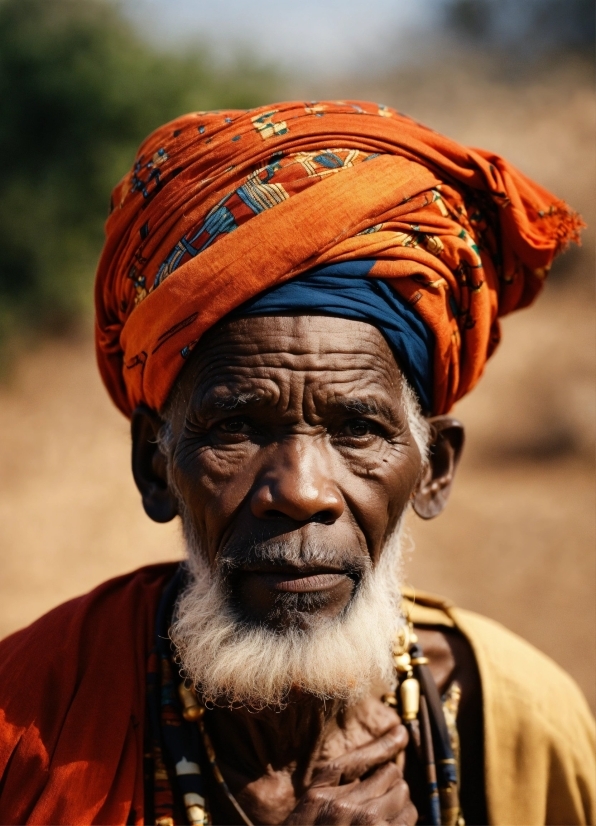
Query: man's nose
<point>297,483</point>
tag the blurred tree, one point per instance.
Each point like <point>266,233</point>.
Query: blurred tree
<point>470,18</point>
<point>530,28</point>
<point>79,89</point>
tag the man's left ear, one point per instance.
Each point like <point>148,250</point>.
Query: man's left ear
<point>446,445</point>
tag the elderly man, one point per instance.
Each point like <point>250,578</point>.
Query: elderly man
<point>289,302</point>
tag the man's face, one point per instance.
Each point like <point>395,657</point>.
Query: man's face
<point>293,460</point>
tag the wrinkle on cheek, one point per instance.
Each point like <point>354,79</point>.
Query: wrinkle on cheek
<point>380,491</point>
<point>406,473</point>
<point>370,463</point>
<point>212,484</point>
<point>186,452</point>
<point>384,460</point>
<point>399,504</point>
<point>212,470</point>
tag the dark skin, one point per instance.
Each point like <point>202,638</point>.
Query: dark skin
<point>293,429</point>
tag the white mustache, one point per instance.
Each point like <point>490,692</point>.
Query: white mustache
<point>292,551</point>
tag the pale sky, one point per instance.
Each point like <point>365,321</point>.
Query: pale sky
<point>316,35</point>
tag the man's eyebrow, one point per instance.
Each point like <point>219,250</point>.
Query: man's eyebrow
<point>232,401</point>
<point>370,407</point>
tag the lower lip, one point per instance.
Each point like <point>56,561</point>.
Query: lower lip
<point>304,584</point>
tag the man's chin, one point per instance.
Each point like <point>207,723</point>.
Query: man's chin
<point>304,611</point>
<point>291,595</point>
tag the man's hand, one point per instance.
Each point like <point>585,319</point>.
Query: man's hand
<point>364,786</point>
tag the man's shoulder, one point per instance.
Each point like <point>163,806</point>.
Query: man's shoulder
<point>518,674</point>
<point>113,621</point>
<point>538,728</point>
<point>101,607</point>
<point>507,662</point>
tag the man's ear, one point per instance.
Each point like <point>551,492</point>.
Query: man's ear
<point>446,445</point>
<point>149,466</point>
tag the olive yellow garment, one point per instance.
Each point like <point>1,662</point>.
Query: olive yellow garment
<point>539,738</point>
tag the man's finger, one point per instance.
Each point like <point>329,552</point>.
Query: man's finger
<point>328,775</point>
<point>384,780</point>
<point>382,798</point>
<point>356,763</point>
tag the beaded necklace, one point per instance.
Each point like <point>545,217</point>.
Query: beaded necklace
<point>194,712</point>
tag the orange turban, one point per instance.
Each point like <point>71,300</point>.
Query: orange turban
<point>220,206</point>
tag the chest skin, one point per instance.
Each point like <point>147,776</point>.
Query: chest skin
<point>268,782</point>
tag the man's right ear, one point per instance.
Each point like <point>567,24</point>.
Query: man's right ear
<point>149,466</point>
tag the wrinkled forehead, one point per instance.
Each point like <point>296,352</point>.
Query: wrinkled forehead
<point>324,350</point>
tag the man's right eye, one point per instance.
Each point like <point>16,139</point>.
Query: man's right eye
<point>234,426</point>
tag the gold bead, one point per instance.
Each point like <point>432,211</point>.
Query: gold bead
<point>402,662</point>
<point>409,693</point>
<point>389,700</point>
<point>191,708</point>
<point>193,713</point>
<point>420,661</point>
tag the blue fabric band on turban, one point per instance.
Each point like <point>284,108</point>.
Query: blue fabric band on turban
<point>345,290</point>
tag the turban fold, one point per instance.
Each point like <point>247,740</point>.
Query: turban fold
<point>222,207</point>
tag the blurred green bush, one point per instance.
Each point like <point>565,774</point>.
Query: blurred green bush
<point>79,89</point>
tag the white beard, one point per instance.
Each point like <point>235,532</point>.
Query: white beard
<point>236,663</point>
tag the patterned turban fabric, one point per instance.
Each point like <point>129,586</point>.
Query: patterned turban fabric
<point>221,207</point>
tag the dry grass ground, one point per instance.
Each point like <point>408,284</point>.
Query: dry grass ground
<point>517,542</point>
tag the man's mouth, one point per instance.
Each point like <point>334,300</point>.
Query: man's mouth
<point>300,581</point>
<point>280,593</point>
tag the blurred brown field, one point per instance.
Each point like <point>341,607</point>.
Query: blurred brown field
<point>517,542</point>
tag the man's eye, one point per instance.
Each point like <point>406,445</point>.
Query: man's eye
<point>357,428</point>
<point>234,426</point>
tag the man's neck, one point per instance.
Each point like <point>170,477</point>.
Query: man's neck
<point>268,757</point>
<point>252,741</point>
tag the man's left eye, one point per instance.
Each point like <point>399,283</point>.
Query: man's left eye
<point>357,428</point>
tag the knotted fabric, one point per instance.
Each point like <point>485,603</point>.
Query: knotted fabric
<point>222,206</point>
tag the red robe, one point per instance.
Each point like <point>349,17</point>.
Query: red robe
<point>72,705</point>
